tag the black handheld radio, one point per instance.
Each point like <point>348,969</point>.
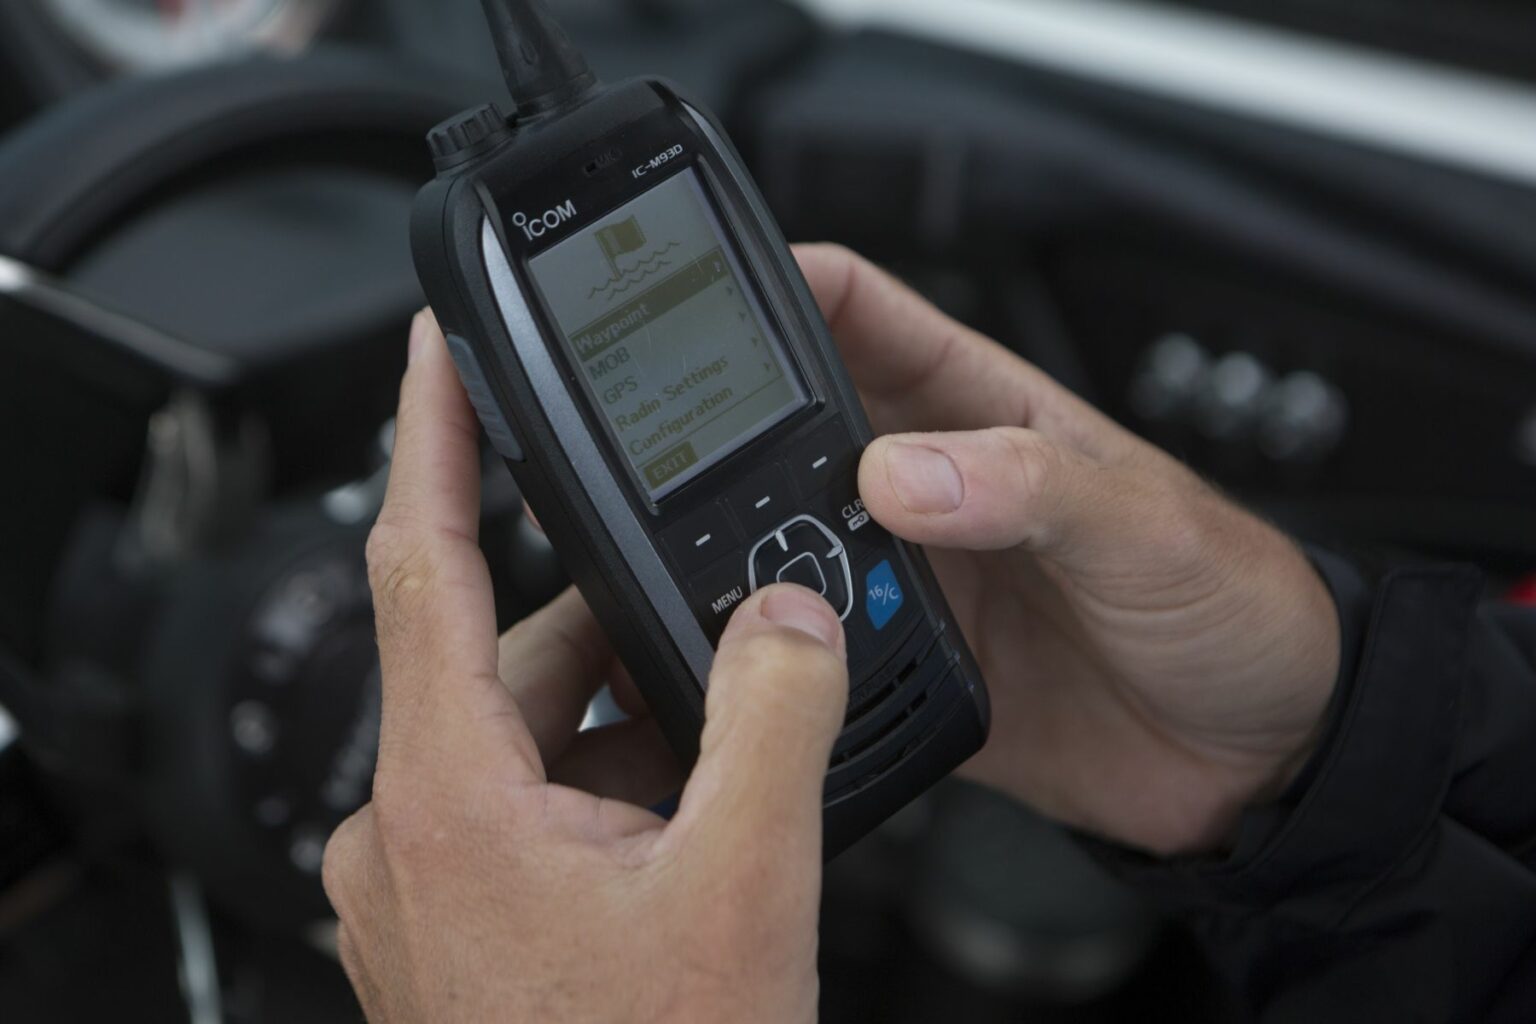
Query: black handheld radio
<point>645,354</point>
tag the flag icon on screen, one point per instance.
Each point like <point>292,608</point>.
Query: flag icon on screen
<point>619,239</point>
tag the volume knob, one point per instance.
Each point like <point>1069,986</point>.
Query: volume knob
<point>466,136</point>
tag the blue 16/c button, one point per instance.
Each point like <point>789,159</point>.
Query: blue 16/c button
<point>883,596</point>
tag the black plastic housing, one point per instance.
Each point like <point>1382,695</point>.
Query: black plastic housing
<point>918,706</point>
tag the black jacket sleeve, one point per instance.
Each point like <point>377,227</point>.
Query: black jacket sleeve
<point>1396,881</point>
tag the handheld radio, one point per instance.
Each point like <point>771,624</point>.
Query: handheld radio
<point>645,354</point>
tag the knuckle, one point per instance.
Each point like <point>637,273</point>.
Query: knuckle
<point>838,252</point>
<point>1192,529</point>
<point>1034,463</point>
<point>858,265</point>
<point>852,272</point>
<point>406,818</point>
<point>399,565</point>
<point>386,543</point>
<point>338,866</point>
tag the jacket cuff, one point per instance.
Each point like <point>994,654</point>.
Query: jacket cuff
<point>1377,782</point>
<point>1353,599</point>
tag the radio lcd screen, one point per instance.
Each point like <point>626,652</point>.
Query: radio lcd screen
<point>670,341</point>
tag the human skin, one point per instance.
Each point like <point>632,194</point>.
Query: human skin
<point>1159,659</point>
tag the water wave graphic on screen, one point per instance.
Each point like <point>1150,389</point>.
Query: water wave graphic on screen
<point>612,240</point>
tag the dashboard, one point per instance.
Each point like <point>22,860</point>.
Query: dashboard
<point>54,48</point>
<point>154,34</point>
<point>1207,225</point>
<point>1320,84</point>
<point>1494,36</point>
<point>1239,239</point>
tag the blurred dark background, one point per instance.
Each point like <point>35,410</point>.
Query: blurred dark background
<point>1294,241</point>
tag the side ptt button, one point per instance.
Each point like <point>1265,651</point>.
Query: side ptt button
<point>481,397</point>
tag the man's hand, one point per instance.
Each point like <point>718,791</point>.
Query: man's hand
<point>1158,658</point>
<point>474,887</point>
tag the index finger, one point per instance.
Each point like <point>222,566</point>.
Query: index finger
<point>921,371</point>
<point>433,602</point>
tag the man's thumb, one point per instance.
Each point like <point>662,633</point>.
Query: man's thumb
<point>988,490</point>
<point>777,697</point>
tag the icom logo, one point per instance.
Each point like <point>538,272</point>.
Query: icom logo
<point>538,227</point>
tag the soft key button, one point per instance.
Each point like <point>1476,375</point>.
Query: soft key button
<point>702,538</point>
<point>822,458</point>
<point>761,500</point>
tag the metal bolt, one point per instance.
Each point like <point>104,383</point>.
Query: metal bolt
<point>1172,377</point>
<point>254,728</point>
<point>1305,417</point>
<point>1234,396</point>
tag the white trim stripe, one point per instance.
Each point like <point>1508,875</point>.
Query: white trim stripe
<point>1410,106</point>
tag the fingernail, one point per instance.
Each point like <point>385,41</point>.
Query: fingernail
<point>419,331</point>
<point>925,481</point>
<point>798,608</point>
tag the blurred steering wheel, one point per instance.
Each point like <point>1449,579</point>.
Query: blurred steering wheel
<point>204,284</point>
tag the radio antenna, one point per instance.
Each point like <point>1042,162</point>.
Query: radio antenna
<point>543,68</point>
